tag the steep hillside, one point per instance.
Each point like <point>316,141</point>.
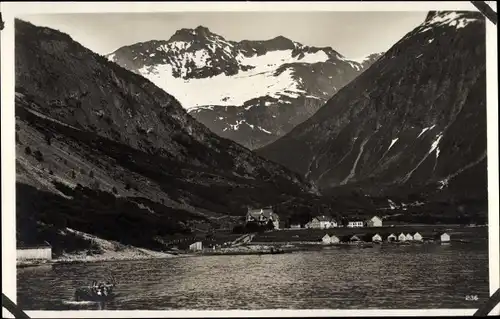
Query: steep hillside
<point>104,151</point>
<point>251,92</point>
<point>413,123</point>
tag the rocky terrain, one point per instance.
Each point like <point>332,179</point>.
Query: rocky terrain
<point>251,92</point>
<point>104,151</point>
<point>411,127</point>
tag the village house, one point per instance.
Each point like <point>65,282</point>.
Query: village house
<point>375,221</point>
<point>322,222</point>
<point>35,252</point>
<point>295,226</point>
<point>354,224</point>
<point>402,237</point>
<point>334,239</point>
<point>376,238</point>
<point>409,236</point>
<point>417,237</point>
<point>262,216</point>
<point>391,238</point>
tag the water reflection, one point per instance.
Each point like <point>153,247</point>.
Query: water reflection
<point>423,276</point>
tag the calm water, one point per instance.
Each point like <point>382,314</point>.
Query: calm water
<point>408,277</point>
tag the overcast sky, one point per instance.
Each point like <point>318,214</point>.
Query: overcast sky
<point>353,34</point>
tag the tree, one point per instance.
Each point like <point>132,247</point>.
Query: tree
<point>27,150</point>
<point>114,190</point>
<point>269,225</point>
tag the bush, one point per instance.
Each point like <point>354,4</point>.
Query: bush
<point>27,150</point>
<point>114,190</point>
<point>91,174</point>
<point>38,156</point>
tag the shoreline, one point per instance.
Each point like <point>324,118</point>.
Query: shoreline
<point>79,259</point>
<point>257,248</point>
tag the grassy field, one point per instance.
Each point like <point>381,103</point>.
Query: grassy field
<point>455,232</point>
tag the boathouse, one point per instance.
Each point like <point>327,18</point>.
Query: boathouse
<point>196,246</point>
<point>326,239</point>
<point>417,237</point>
<point>391,238</point>
<point>376,238</point>
<point>334,239</point>
<point>34,252</point>
<point>444,238</point>
<point>402,237</point>
<point>409,236</point>
<point>355,224</point>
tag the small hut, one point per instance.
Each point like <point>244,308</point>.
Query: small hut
<point>377,238</point>
<point>368,237</point>
<point>354,238</point>
<point>345,239</point>
<point>409,237</point>
<point>391,238</point>
<point>326,239</point>
<point>402,237</point>
<point>417,237</point>
<point>444,237</point>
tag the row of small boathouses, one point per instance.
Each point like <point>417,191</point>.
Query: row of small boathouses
<point>408,237</point>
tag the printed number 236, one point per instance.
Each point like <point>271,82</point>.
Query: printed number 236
<point>471,298</point>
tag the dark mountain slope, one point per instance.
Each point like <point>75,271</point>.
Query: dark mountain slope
<point>86,123</point>
<point>415,121</point>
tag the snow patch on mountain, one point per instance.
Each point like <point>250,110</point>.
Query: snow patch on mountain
<point>262,79</point>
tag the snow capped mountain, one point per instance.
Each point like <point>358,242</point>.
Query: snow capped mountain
<point>414,122</point>
<point>249,91</point>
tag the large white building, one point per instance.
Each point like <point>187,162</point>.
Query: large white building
<point>322,222</point>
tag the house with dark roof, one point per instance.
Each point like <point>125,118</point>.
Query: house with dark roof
<point>262,216</point>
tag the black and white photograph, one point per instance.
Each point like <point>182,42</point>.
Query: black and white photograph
<point>239,159</point>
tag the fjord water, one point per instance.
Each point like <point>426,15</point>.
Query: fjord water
<point>383,277</point>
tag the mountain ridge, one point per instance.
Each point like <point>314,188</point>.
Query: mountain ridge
<point>249,91</point>
<point>413,122</point>
<point>100,149</point>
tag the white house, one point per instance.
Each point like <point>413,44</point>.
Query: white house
<point>375,221</point>
<point>354,238</point>
<point>355,224</point>
<point>409,236</point>
<point>444,238</point>
<point>295,226</point>
<point>263,216</point>
<point>377,238</point>
<point>391,237</point>
<point>417,237</point>
<point>402,237</point>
